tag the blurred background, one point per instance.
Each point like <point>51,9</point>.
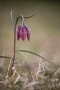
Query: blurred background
<point>45,30</point>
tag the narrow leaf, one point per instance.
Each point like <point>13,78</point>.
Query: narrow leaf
<point>5,57</point>
<point>32,14</point>
<point>36,55</point>
<point>11,19</point>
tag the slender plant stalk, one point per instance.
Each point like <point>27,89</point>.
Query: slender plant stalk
<point>14,46</point>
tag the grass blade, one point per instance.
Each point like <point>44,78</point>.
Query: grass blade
<point>5,57</point>
<point>36,55</point>
<point>33,14</point>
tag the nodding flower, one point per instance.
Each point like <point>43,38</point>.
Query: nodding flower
<point>23,31</point>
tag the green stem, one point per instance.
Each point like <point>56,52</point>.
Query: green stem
<point>14,46</point>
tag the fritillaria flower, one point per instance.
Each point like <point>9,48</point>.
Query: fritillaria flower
<point>23,31</point>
